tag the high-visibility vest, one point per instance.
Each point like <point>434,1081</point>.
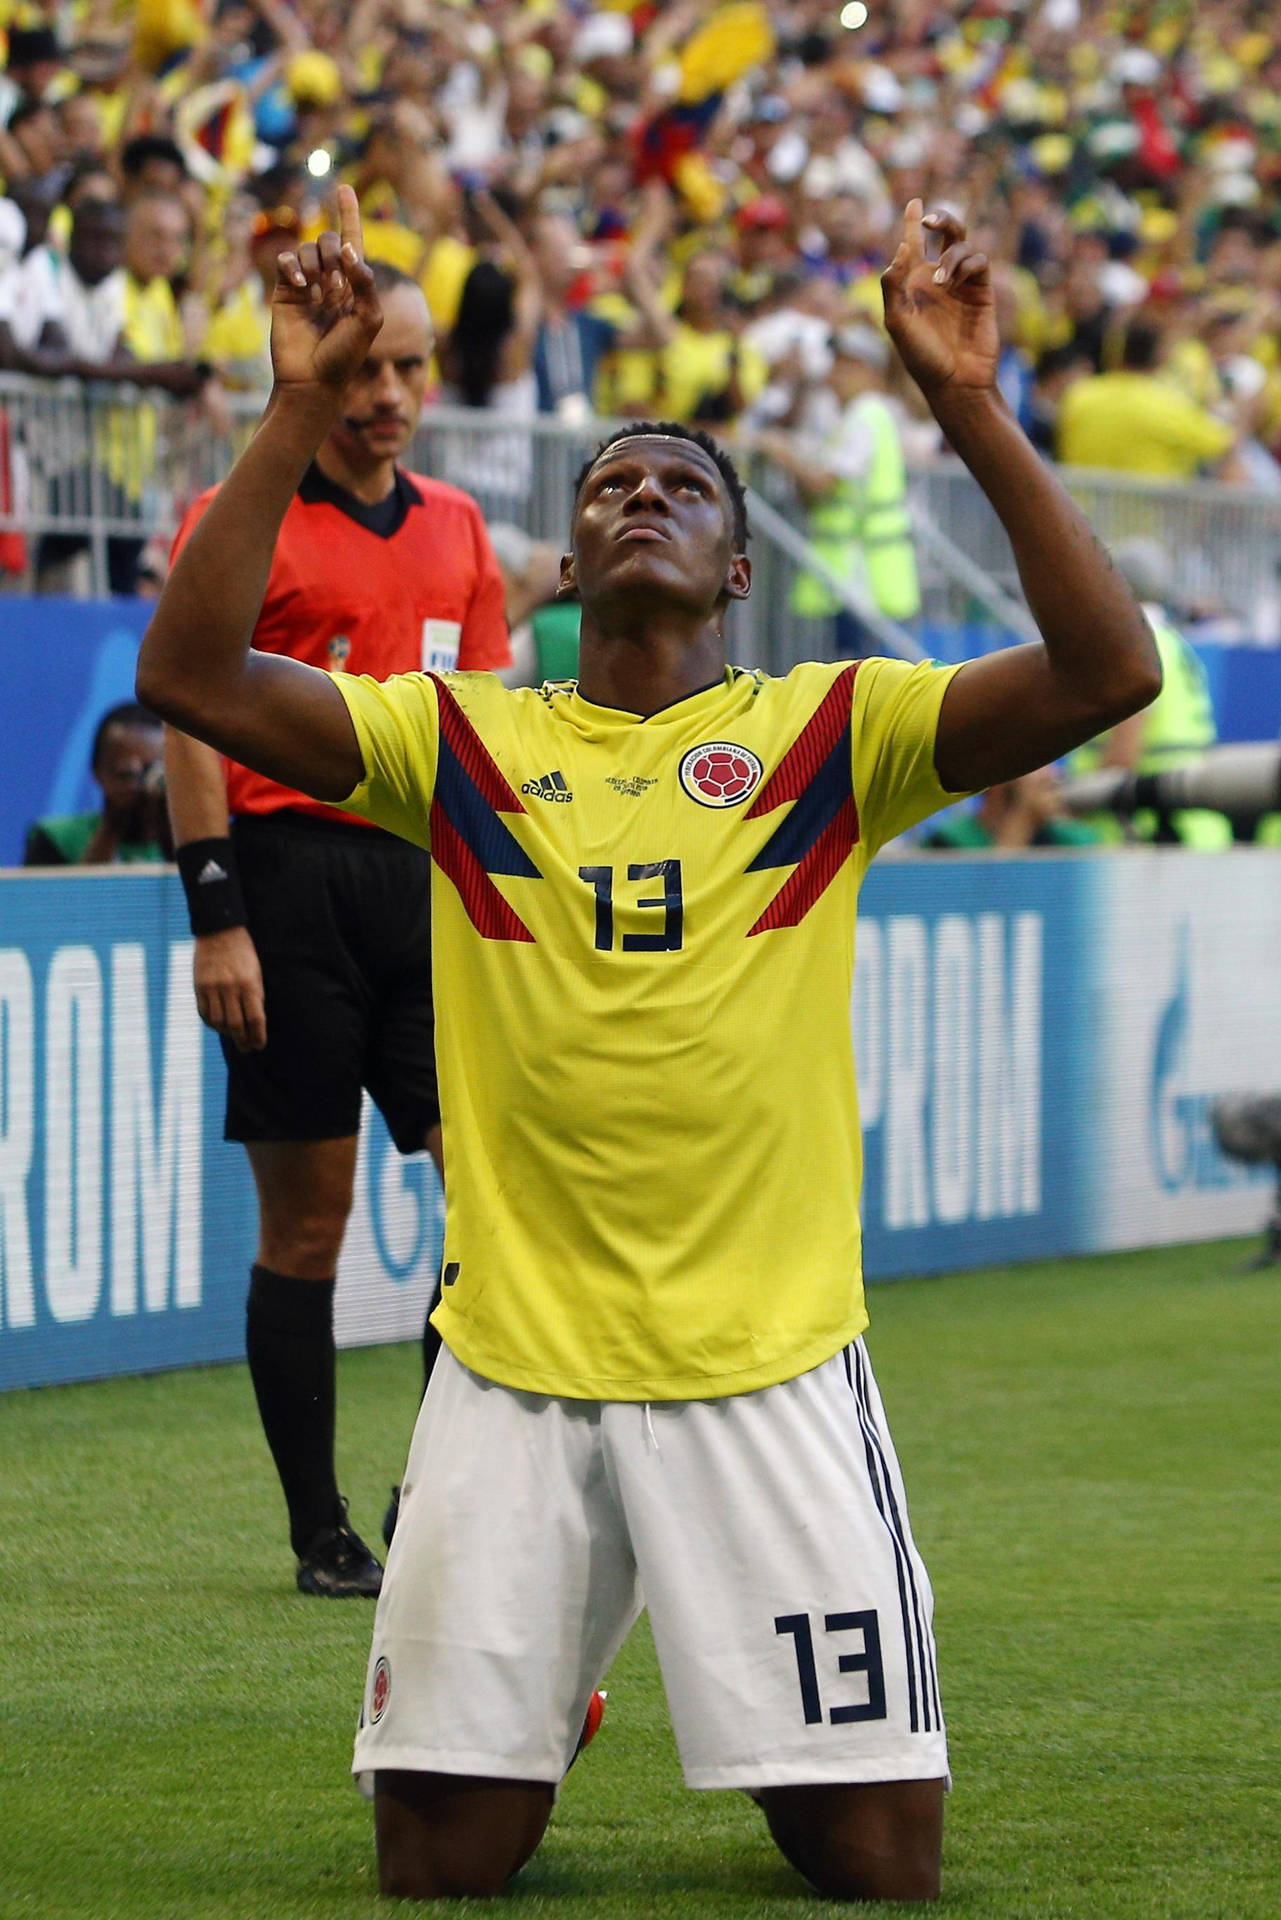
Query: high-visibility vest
<point>1177,729</point>
<point>862,529</point>
<point>1179,725</point>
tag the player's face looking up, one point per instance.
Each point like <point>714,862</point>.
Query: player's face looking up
<point>654,524</point>
<point>381,406</point>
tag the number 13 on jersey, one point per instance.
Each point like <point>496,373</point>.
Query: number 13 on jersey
<point>618,887</point>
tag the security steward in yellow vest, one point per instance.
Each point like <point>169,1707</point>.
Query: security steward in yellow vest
<point>855,486</point>
<point>1175,730</point>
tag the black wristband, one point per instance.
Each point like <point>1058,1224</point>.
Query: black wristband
<point>211,883</point>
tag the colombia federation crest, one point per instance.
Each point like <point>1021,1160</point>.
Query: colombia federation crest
<point>720,773</point>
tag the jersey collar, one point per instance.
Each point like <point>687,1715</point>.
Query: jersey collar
<point>588,714</point>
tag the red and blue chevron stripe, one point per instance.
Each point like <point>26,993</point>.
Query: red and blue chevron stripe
<point>469,842</point>
<point>819,834</point>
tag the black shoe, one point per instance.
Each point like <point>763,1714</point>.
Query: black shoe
<point>391,1516</point>
<point>339,1565</point>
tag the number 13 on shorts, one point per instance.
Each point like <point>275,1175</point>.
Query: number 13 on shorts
<point>867,1662</point>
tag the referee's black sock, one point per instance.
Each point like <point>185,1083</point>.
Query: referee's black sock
<point>289,1329</point>
<point>432,1341</point>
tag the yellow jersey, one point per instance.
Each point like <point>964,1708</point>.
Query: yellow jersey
<point>694,369</point>
<point>643,949</point>
<point>1137,423</point>
<point>125,436</point>
<point>153,328</point>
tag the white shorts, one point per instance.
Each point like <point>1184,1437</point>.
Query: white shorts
<point>766,1533</point>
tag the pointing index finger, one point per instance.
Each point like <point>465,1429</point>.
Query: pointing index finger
<point>349,221</point>
<point>913,237</point>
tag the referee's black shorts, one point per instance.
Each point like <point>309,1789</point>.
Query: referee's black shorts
<point>341,916</point>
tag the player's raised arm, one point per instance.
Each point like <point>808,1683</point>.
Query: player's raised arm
<point>1025,706</point>
<point>196,667</point>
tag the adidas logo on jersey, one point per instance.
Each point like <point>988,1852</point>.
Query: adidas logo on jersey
<point>548,786</point>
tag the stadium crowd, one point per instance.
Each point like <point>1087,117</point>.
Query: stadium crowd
<point>679,208</point>
<point>667,208</point>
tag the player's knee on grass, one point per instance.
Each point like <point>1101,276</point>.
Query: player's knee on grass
<point>880,1841</point>
<point>446,1837</point>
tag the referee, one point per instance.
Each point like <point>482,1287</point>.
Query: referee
<point>312,931</point>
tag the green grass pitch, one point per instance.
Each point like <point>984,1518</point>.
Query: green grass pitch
<point>1091,1450</point>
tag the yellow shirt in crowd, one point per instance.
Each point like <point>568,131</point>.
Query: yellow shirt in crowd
<point>238,338</point>
<point>153,328</point>
<point>1137,423</point>
<point>694,366</point>
<point>152,332</point>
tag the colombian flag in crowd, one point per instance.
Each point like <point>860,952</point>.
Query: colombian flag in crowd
<point>736,38</point>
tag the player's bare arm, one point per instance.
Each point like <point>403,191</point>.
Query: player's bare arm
<point>196,667</point>
<point>1025,706</point>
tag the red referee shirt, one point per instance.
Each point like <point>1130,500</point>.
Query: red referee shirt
<point>402,587</point>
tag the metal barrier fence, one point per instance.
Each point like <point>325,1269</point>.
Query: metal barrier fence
<point>98,469</point>
<point>523,474</point>
<point>991,1145</point>
<point>103,463</point>
<point>1221,544</point>
<point>93,470</point>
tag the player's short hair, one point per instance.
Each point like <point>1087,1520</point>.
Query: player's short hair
<point>675,430</point>
<point>127,714</point>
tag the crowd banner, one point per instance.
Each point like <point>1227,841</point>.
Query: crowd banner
<point>1039,1039</point>
<point>1190,1007</point>
<point>66,662</point>
<point>127,1224</point>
